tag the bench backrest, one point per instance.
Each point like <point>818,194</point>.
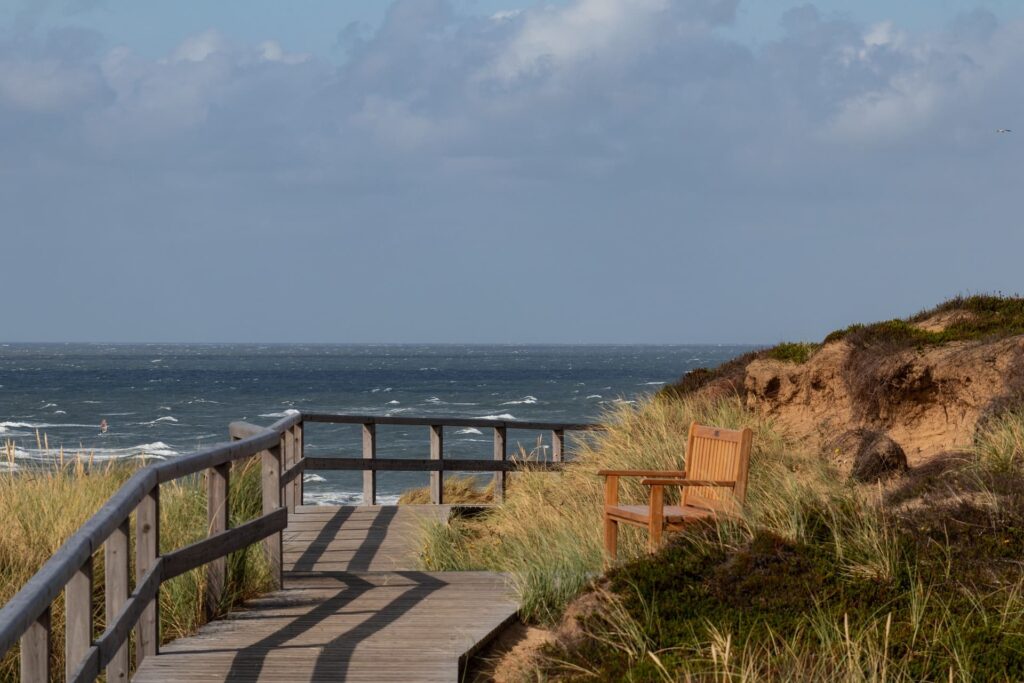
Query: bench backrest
<point>717,454</point>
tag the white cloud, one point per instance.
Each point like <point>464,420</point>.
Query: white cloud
<point>271,51</point>
<point>199,47</point>
<point>581,30</point>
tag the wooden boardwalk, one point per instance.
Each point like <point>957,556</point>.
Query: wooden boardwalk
<point>353,608</point>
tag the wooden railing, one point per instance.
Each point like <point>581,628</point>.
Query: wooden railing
<point>26,617</point>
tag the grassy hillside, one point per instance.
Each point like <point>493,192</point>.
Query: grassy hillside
<point>914,579</point>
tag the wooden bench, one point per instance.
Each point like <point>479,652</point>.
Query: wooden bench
<point>714,483</point>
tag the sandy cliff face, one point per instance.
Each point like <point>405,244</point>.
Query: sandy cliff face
<point>929,400</point>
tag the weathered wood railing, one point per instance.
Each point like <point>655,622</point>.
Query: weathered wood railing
<point>437,464</point>
<point>26,617</point>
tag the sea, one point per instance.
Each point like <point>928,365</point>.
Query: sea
<point>161,401</point>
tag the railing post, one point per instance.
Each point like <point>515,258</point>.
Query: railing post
<point>369,453</point>
<point>35,651</point>
<point>115,569</point>
<point>272,545</point>
<point>288,448</point>
<point>557,444</point>
<point>437,453</point>
<point>77,617</point>
<point>147,548</point>
<point>300,448</point>
<point>217,481</point>
<point>500,453</point>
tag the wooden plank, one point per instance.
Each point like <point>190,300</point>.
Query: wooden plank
<point>271,502</point>
<point>352,626</point>
<point>288,457</point>
<point>115,637</point>
<point>500,455</point>
<point>78,617</point>
<point>88,669</point>
<point>300,453</point>
<point>369,453</point>
<point>35,650</point>
<point>292,474</point>
<point>437,453</point>
<point>557,444</point>
<point>115,569</point>
<point>232,540</point>
<point>147,551</point>
<point>217,485</point>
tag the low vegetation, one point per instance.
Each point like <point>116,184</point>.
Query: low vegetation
<point>46,505</point>
<point>917,578</point>
<point>462,489</point>
<point>963,318</point>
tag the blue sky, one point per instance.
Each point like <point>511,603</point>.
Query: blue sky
<point>579,171</point>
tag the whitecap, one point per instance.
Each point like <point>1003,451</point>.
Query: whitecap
<point>312,477</point>
<point>60,412</point>
<point>157,448</point>
<point>345,498</point>
<point>528,400</point>
<point>651,384</point>
<point>503,416</point>
<point>286,413</point>
<point>41,425</point>
<point>469,430</point>
<point>595,396</point>
<point>393,403</point>
<point>50,405</point>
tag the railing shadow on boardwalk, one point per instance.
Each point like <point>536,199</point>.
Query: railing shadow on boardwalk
<point>335,655</point>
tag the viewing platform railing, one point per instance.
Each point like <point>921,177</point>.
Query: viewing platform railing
<point>25,619</point>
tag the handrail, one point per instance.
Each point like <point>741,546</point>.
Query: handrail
<point>32,602</point>
<point>27,614</point>
<point>448,421</point>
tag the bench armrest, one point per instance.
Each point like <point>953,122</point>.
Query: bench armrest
<point>642,473</point>
<point>688,482</point>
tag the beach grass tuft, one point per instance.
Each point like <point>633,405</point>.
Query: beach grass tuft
<point>44,505</point>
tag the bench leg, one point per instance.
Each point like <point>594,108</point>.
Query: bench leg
<point>657,520</point>
<point>654,532</point>
<point>611,539</point>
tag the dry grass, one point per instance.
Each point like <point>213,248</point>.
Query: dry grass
<point>819,580</point>
<point>44,506</point>
<point>463,489</point>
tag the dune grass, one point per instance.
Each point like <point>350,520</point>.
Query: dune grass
<point>918,579</point>
<point>46,505</point>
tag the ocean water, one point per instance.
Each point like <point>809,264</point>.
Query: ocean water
<point>164,400</point>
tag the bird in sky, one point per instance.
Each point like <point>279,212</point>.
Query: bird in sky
<point>1003,130</point>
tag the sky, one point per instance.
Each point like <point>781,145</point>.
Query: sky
<point>584,171</point>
